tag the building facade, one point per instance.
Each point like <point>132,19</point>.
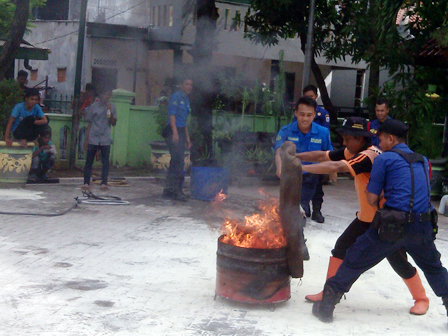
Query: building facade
<point>140,45</point>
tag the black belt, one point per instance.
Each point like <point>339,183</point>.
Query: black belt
<point>423,217</point>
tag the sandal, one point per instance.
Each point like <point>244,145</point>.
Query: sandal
<point>85,187</point>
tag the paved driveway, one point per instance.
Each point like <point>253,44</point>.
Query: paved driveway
<point>148,268</point>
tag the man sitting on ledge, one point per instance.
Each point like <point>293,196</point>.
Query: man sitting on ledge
<point>27,120</point>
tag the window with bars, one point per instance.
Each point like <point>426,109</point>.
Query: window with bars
<point>226,18</point>
<point>62,72</point>
<point>235,21</point>
<point>33,75</point>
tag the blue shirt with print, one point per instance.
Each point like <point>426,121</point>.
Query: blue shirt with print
<point>19,112</point>
<point>318,138</point>
<point>322,117</point>
<point>391,173</point>
<point>179,106</point>
<point>374,125</point>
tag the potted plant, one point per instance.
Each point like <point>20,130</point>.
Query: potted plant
<point>10,95</point>
<point>260,159</point>
<point>225,130</point>
<point>15,161</point>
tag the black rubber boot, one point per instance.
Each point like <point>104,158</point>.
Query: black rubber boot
<point>323,310</point>
<point>168,193</point>
<point>317,216</point>
<point>179,196</point>
<point>178,193</point>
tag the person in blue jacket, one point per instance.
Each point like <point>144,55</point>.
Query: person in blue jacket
<point>307,136</point>
<point>323,119</point>
<point>382,108</point>
<point>393,179</point>
<point>177,138</point>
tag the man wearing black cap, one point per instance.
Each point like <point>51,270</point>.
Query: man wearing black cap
<point>356,158</point>
<point>396,178</point>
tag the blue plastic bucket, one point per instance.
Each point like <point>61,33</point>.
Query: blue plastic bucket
<point>207,182</point>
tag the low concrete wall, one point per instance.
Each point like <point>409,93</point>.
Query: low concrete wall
<point>136,128</point>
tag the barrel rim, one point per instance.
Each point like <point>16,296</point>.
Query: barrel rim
<point>243,250</point>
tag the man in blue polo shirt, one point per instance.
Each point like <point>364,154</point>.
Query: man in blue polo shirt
<point>322,118</point>
<point>177,138</point>
<point>392,175</point>
<point>381,110</point>
<point>307,136</point>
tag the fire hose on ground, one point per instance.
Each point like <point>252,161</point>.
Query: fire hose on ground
<point>90,198</point>
<point>87,198</point>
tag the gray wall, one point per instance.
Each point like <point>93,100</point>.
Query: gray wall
<point>45,34</point>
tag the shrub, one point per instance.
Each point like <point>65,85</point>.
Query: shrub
<point>10,95</point>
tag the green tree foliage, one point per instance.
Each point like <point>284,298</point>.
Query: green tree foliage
<point>7,9</point>
<point>364,30</point>
<point>10,95</point>
<point>288,20</point>
<point>408,91</point>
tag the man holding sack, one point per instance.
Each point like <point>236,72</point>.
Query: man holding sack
<point>403,177</point>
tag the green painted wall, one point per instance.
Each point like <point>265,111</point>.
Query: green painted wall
<point>136,128</point>
<point>260,124</point>
<point>60,136</point>
<point>143,130</point>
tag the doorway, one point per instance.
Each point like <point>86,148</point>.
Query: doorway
<point>104,78</point>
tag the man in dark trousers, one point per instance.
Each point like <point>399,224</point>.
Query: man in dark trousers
<point>307,136</point>
<point>101,116</point>
<point>322,118</point>
<point>406,189</point>
<point>356,158</point>
<point>177,138</point>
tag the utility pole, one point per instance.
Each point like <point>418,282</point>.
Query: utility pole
<point>77,91</point>
<point>309,46</point>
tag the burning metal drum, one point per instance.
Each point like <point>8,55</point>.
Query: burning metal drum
<point>252,275</point>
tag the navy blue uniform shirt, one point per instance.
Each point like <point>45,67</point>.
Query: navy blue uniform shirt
<point>318,138</point>
<point>179,106</point>
<point>373,127</point>
<point>391,173</point>
<point>322,117</point>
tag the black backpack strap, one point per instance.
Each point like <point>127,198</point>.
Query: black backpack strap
<point>414,158</point>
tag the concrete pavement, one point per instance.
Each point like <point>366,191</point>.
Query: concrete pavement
<point>149,268</point>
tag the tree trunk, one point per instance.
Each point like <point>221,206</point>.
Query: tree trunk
<point>374,82</point>
<point>323,92</point>
<point>15,36</point>
<point>203,74</point>
<point>320,81</point>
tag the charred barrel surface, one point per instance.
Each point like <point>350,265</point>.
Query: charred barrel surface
<point>252,275</point>
<point>291,218</point>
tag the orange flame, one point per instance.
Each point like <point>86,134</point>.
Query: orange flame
<point>220,197</point>
<point>262,230</point>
